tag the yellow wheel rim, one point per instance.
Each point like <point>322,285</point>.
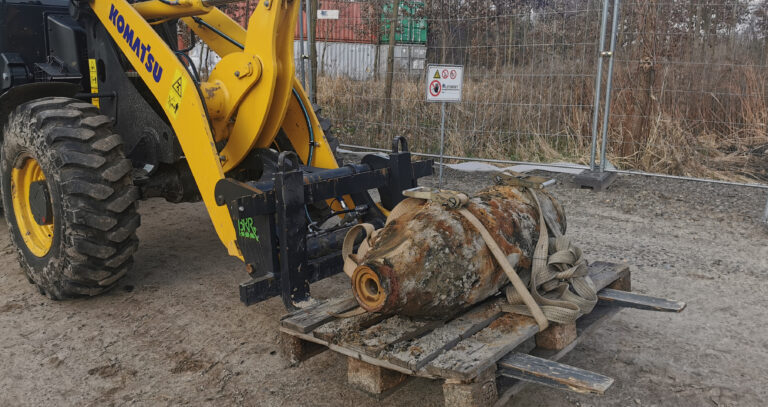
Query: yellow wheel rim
<point>38,238</point>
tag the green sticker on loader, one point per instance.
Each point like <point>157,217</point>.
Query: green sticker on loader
<point>246,229</point>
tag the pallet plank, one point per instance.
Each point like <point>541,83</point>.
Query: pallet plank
<point>354,354</point>
<point>307,319</point>
<point>336,330</point>
<point>471,355</point>
<point>416,353</point>
<point>375,339</point>
<point>553,374</point>
<point>632,300</point>
<point>465,360</point>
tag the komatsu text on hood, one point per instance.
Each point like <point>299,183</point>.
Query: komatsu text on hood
<point>142,49</point>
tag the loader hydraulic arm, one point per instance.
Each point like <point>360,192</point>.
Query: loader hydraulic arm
<point>174,89</point>
<point>249,96</point>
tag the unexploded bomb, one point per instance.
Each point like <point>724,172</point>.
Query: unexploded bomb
<point>431,262</point>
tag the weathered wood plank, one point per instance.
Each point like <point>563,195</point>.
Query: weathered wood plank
<point>416,353</point>
<point>337,330</point>
<point>471,355</point>
<point>553,374</point>
<point>307,319</point>
<point>633,300</point>
<point>355,354</point>
<point>375,339</point>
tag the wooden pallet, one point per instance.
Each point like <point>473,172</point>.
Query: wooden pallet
<point>467,352</point>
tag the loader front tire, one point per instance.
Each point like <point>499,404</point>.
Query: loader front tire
<point>69,198</point>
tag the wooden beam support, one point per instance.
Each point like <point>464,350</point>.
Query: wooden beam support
<point>295,350</point>
<point>372,379</point>
<point>623,283</point>
<point>479,392</point>
<point>556,336</point>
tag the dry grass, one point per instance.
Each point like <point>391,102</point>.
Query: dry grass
<point>658,124</point>
<point>496,119</point>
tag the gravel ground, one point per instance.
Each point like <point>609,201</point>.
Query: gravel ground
<point>174,331</point>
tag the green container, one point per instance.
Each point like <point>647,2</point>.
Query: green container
<point>411,29</point>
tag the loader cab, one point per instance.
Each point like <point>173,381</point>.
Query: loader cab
<point>36,43</point>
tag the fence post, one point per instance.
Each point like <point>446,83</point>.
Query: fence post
<point>442,143</point>
<point>598,83</point>
<point>390,62</point>
<point>596,178</point>
<point>608,83</point>
<point>312,79</point>
<point>765,213</point>
<point>301,46</point>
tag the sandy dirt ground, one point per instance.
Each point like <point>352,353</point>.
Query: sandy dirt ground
<point>174,332</point>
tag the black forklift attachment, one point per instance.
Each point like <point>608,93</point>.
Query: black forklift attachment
<point>282,249</point>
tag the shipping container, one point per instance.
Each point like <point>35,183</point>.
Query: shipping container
<point>412,25</point>
<point>358,22</point>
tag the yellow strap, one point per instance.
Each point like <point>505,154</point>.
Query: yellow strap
<point>517,283</point>
<point>557,272</point>
<point>352,260</point>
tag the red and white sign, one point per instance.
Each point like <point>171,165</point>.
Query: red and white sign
<point>434,88</point>
<point>444,83</point>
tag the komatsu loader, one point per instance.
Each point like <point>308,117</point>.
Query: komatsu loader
<point>100,109</point>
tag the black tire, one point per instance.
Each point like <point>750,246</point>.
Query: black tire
<point>333,142</point>
<point>92,196</point>
<point>283,144</point>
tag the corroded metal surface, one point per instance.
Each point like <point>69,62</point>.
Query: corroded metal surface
<point>431,262</point>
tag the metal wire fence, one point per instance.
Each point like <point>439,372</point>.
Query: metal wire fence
<point>688,97</point>
<point>528,79</point>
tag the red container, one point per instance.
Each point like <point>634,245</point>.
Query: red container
<point>357,22</point>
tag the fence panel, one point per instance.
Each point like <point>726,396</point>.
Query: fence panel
<point>529,79</point>
<point>689,94</point>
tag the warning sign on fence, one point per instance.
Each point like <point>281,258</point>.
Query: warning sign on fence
<point>444,83</point>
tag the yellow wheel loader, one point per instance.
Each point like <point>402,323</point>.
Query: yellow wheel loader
<point>100,108</point>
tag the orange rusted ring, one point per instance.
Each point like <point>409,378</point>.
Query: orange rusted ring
<point>367,289</point>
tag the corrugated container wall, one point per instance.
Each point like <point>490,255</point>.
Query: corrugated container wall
<point>357,23</point>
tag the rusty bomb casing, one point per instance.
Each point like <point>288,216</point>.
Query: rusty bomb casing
<point>431,262</point>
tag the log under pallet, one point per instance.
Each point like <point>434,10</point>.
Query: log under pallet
<point>472,353</point>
